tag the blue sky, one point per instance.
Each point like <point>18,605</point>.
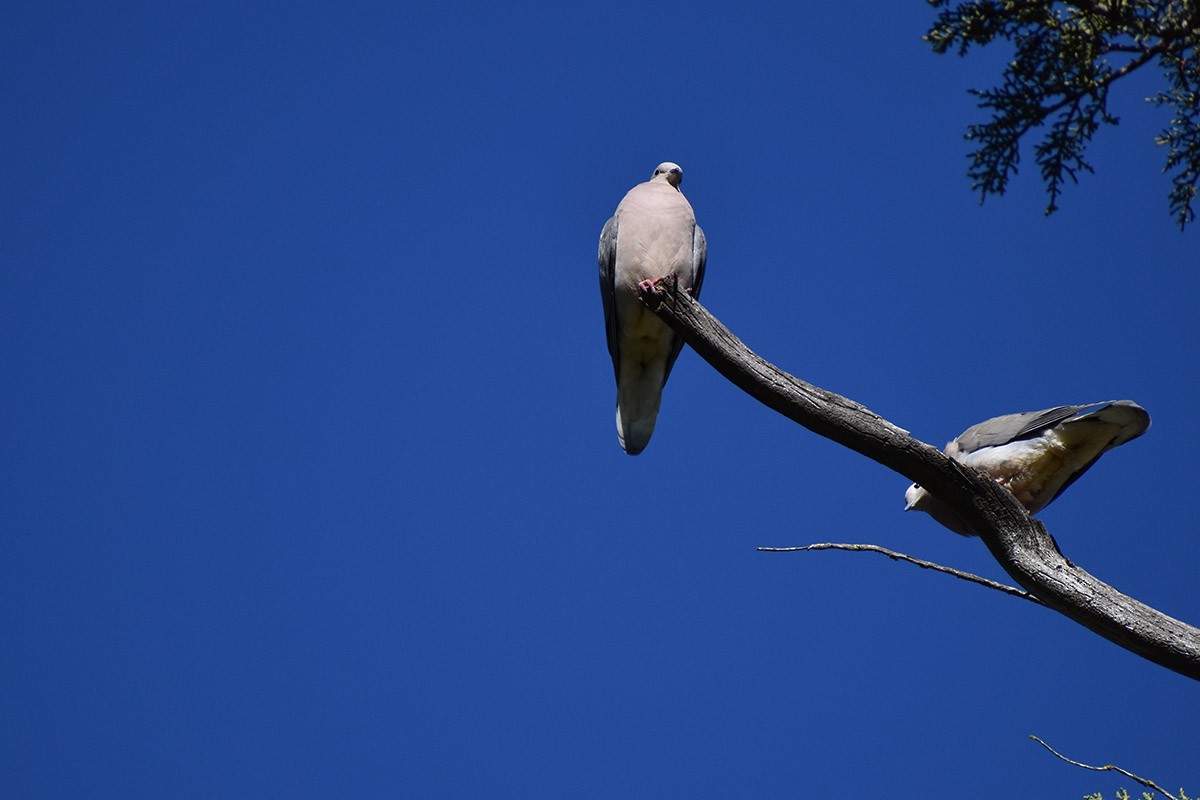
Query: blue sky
<point>311,482</point>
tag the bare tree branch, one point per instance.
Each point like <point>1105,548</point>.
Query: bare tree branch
<point>1020,544</point>
<point>1149,784</point>
<point>920,562</point>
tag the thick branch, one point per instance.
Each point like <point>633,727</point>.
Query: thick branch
<point>1020,544</point>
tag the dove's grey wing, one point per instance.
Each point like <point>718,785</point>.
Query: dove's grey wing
<point>1010,428</point>
<point>699,260</point>
<point>608,271</point>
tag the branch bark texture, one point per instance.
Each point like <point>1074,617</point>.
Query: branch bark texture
<point>1019,543</point>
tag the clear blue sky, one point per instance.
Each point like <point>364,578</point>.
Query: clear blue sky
<point>310,481</point>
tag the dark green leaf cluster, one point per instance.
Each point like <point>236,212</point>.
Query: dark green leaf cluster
<point>1182,136</point>
<point>1123,794</point>
<point>1066,55</point>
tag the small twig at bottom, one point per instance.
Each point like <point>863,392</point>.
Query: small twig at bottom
<point>892,554</point>
<point>1149,784</point>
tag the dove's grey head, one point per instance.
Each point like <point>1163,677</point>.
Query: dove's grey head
<point>917,499</point>
<point>913,498</point>
<point>670,172</point>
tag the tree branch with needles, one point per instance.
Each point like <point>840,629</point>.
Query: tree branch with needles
<point>1065,58</point>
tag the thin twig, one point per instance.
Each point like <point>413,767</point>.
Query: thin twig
<point>1149,784</point>
<point>892,554</point>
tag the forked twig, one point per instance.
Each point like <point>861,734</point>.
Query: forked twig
<point>1149,784</point>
